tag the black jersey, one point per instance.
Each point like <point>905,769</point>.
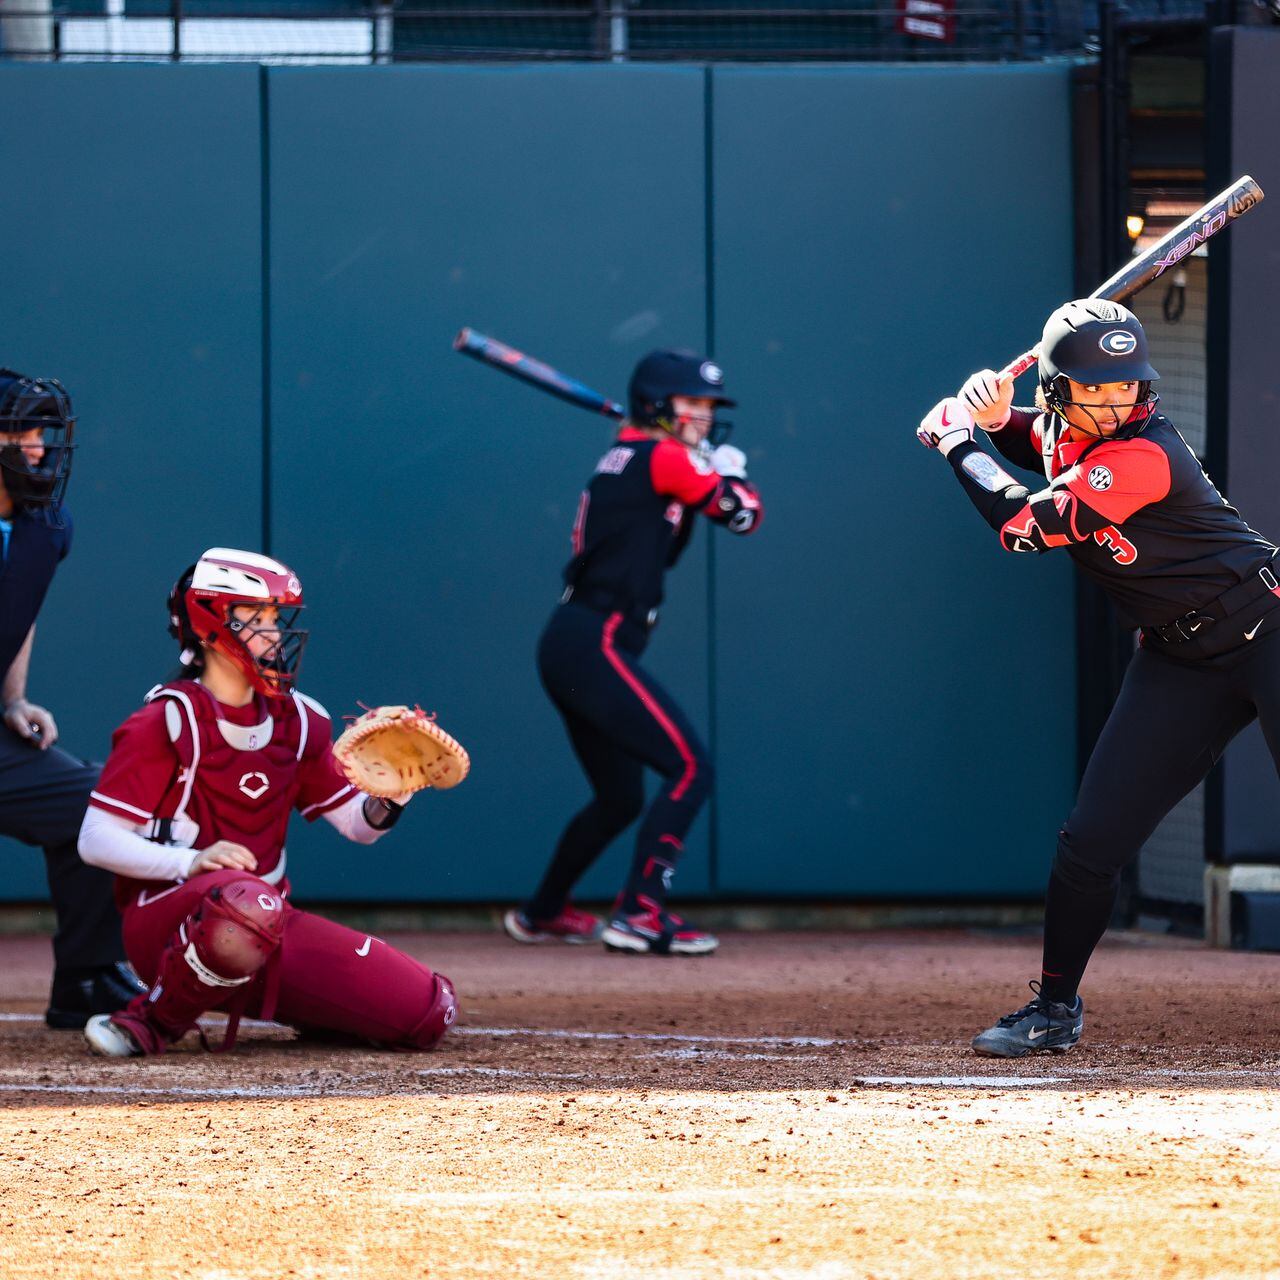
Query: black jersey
<point>1138,515</point>
<point>36,548</point>
<point>635,518</point>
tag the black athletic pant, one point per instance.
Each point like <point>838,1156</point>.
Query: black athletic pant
<point>43,795</point>
<point>1178,708</point>
<point>620,720</point>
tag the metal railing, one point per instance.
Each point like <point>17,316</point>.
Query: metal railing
<point>600,30</point>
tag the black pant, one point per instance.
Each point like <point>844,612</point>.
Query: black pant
<point>620,720</point>
<point>43,795</point>
<point>1179,707</point>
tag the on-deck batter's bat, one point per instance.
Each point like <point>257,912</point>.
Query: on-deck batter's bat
<point>527,369</point>
<point>1241,196</point>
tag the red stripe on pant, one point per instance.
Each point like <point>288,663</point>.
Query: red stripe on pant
<point>650,705</point>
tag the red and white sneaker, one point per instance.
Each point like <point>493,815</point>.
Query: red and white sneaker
<point>571,925</point>
<point>650,928</point>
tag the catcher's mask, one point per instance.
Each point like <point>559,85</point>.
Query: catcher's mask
<point>37,428</point>
<point>1096,342</point>
<point>662,375</point>
<point>203,614</point>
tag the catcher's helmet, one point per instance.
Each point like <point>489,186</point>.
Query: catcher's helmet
<point>1095,342</point>
<point>201,614</point>
<point>672,372</point>
<point>36,405</point>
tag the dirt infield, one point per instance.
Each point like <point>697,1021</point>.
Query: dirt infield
<point>799,1105</point>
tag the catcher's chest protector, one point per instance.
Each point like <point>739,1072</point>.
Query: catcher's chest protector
<point>232,782</point>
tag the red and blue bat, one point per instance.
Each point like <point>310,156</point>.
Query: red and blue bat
<point>534,372</point>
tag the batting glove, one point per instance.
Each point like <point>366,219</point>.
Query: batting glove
<point>729,462</point>
<point>945,426</point>
<point>989,397</point>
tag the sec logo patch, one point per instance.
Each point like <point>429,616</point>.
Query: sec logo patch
<point>1100,478</point>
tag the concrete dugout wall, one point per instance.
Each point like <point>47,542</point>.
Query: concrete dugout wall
<point>250,280</point>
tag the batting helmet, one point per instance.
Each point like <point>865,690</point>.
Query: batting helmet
<point>28,406</point>
<point>203,613</point>
<point>667,373</point>
<point>1095,342</point>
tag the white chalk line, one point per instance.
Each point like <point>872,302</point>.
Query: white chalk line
<point>185,1091</point>
<point>964,1082</point>
<point>716,1055</point>
<point>1120,1076</point>
<point>553,1033</point>
<point>556,1033</point>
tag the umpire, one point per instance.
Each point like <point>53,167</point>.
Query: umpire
<point>43,790</point>
<point>634,520</point>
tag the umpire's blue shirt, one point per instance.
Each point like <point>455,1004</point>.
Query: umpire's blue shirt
<point>31,557</point>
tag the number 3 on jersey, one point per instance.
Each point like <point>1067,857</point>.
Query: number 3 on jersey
<point>1122,550</point>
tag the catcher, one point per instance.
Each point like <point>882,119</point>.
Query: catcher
<point>190,814</point>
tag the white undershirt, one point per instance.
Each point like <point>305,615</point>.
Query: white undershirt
<point>115,843</point>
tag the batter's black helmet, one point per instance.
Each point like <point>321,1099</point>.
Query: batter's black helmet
<point>43,405</point>
<point>663,374</point>
<point>1095,342</point>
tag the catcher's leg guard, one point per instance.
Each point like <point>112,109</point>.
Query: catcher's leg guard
<point>339,981</point>
<point>440,1017</point>
<point>215,954</point>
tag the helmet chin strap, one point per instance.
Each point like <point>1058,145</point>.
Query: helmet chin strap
<point>1138,413</point>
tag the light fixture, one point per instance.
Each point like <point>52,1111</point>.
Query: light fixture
<point>1134,224</point>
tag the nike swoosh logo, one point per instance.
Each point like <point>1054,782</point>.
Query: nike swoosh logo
<point>1248,635</point>
<point>946,422</point>
<point>364,950</point>
<point>145,899</point>
<point>1035,1035</point>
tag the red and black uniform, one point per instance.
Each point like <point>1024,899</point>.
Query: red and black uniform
<point>1139,516</point>
<point>634,520</point>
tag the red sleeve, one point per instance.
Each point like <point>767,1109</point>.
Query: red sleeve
<point>322,785</point>
<point>678,472</point>
<point>141,767</point>
<point>1118,478</point>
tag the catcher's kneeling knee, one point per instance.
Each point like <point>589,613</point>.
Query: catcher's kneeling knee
<point>439,1017</point>
<point>234,931</point>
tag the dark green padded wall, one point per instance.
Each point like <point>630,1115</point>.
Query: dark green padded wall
<point>130,255</point>
<point>427,501</point>
<point>896,693</point>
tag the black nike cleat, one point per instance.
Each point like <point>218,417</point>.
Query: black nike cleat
<point>1042,1026</point>
<point>76,999</point>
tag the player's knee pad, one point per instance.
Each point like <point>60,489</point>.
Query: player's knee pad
<point>1088,866</point>
<point>234,932</point>
<point>439,1018</point>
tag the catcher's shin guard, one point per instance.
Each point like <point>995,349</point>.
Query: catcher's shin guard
<point>440,1017</point>
<point>216,953</point>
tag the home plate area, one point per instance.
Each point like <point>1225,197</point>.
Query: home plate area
<point>800,1105</point>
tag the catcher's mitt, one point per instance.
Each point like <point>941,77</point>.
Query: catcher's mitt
<point>393,750</point>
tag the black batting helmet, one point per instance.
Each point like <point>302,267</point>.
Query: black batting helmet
<point>671,372</point>
<point>35,405</point>
<point>1095,342</point>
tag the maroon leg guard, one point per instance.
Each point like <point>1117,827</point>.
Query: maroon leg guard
<point>209,962</point>
<point>335,980</point>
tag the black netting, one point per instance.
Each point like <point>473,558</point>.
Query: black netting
<point>498,30</point>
